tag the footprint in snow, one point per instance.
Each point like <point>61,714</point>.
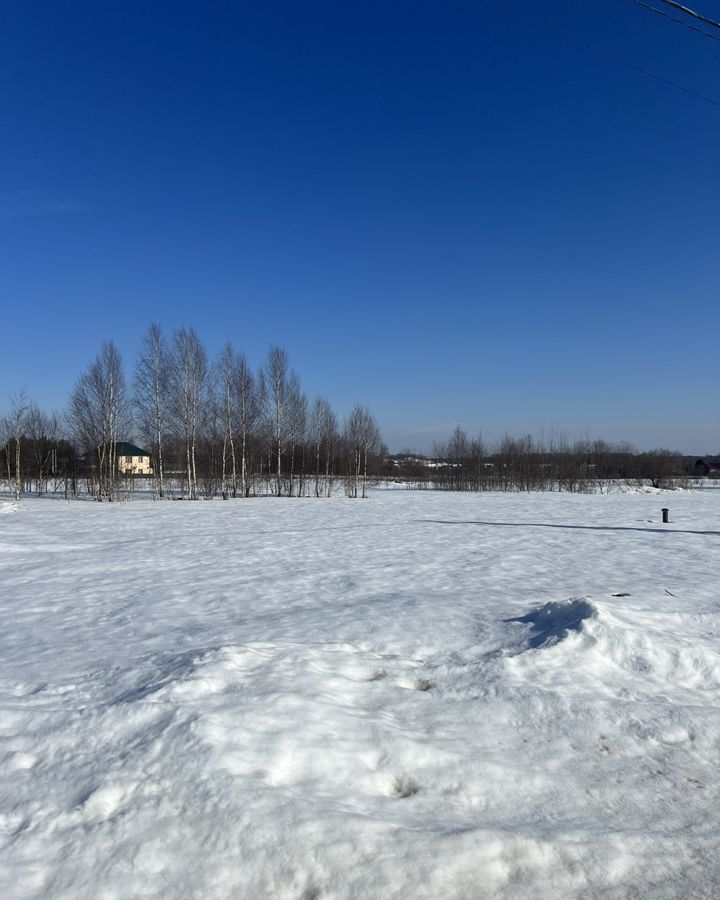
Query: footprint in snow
<point>12,824</point>
<point>101,804</point>
<point>416,684</point>
<point>18,761</point>
<point>377,675</point>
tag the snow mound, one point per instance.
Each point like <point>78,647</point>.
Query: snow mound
<point>554,621</point>
<point>656,660</point>
<point>622,652</point>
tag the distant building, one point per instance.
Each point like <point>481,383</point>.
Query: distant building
<point>132,460</point>
<point>707,467</point>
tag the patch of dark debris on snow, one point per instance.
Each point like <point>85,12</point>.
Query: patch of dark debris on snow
<point>402,787</point>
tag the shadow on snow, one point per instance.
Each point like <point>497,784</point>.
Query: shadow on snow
<point>572,527</point>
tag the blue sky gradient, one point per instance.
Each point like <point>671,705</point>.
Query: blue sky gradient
<point>441,211</point>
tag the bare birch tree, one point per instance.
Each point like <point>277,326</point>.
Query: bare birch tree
<point>13,426</point>
<point>247,408</point>
<point>296,428</point>
<point>363,439</point>
<point>42,431</point>
<point>275,383</point>
<point>323,434</point>
<point>98,411</point>
<point>211,453</point>
<point>226,376</point>
<point>189,383</point>
<point>151,388</point>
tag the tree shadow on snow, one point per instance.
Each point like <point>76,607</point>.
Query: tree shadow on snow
<point>573,527</point>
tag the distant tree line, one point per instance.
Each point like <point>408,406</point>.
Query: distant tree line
<point>462,463</point>
<point>211,427</point>
<point>218,428</point>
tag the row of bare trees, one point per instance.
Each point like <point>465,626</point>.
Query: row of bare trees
<point>462,463</point>
<point>31,441</point>
<point>219,428</point>
<point>211,427</point>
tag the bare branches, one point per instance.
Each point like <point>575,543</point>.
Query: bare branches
<point>189,377</point>
<point>324,436</point>
<point>13,427</point>
<point>247,413</point>
<point>225,379</point>
<point>151,397</point>
<point>362,437</point>
<point>42,432</point>
<point>275,394</point>
<point>99,411</point>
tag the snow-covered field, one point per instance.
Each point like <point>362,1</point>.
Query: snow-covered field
<point>419,695</point>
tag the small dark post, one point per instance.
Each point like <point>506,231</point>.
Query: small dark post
<point>666,515</point>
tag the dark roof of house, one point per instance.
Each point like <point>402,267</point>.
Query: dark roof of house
<point>122,448</point>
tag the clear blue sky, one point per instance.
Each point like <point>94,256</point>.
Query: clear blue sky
<point>437,209</point>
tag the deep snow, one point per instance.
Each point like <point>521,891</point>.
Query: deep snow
<point>419,695</point>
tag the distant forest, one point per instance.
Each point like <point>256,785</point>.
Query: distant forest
<point>216,428</point>
<point>524,464</point>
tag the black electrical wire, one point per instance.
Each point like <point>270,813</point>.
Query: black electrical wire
<point>666,15</point>
<point>603,53</point>
<point>691,12</point>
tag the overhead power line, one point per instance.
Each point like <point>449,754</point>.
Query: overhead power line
<point>667,15</point>
<point>691,12</point>
<point>603,53</point>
